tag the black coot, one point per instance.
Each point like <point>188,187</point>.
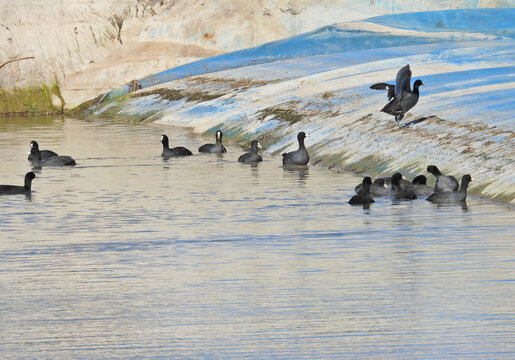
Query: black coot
<point>401,191</point>
<point>419,184</point>
<point>299,156</point>
<point>401,97</point>
<point>13,189</point>
<point>51,161</point>
<point>452,197</point>
<point>252,156</point>
<point>176,151</point>
<point>216,148</point>
<point>45,154</point>
<point>363,197</point>
<point>443,183</point>
<point>377,189</point>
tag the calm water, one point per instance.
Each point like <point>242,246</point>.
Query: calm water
<point>127,255</point>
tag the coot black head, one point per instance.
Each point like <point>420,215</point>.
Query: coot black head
<point>419,180</point>
<point>466,179</point>
<point>432,169</point>
<point>301,136</point>
<point>396,179</point>
<point>14,189</point>
<point>417,83</point>
<point>219,135</point>
<point>379,182</point>
<point>254,146</point>
<point>367,181</point>
<point>34,145</point>
<point>363,197</point>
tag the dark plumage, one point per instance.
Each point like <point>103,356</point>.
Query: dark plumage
<point>388,181</point>
<point>299,156</point>
<point>388,87</point>
<point>216,148</point>
<point>176,151</point>
<point>252,156</point>
<point>419,185</point>
<point>45,154</point>
<point>13,189</point>
<point>452,197</point>
<point>401,97</point>
<point>443,183</point>
<point>401,191</point>
<point>363,197</point>
<point>377,188</point>
<point>51,161</point>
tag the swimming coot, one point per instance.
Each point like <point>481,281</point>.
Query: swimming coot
<point>13,189</point>
<point>51,161</point>
<point>299,156</point>
<point>363,197</point>
<point>216,148</point>
<point>401,191</point>
<point>443,183</point>
<point>419,185</point>
<point>377,188</point>
<point>452,197</point>
<point>176,151</point>
<point>45,154</point>
<point>401,97</point>
<point>252,156</point>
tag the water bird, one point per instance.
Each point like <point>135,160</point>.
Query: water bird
<point>388,181</point>
<point>252,156</point>
<point>401,191</point>
<point>443,183</point>
<point>216,148</point>
<point>176,151</point>
<point>377,188</point>
<point>400,96</point>
<point>452,197</point>
<point>45,154</point>
<point>299,156</point>
<point>51,161</point>
<point>419,185</point>
<point>13,189</point>
<point>390,89</point>
<point>363,197</point>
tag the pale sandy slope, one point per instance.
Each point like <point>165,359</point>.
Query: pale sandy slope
<point>75,43</point>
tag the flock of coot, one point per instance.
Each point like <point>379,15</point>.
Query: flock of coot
<point>401,99</point>
<point>445,190</point>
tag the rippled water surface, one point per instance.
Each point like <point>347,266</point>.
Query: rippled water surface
<point>128,255</point>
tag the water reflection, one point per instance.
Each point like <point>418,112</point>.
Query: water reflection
<point>300,172</point>
<point>129,254</point>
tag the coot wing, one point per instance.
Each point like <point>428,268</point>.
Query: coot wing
<point>402,81</point>
<point>384,86</point>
